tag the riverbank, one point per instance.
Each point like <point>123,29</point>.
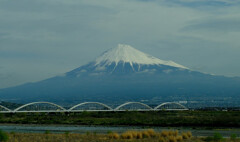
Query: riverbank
<point>134,136</point>
<point>60,129</point>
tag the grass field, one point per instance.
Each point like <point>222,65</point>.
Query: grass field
<point>195,119</point>
<point>209,119</point>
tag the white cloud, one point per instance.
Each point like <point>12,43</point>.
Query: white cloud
<point>50,37</point>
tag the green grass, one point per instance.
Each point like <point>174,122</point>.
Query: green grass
<point>209,119</point>
<point>3,136</point>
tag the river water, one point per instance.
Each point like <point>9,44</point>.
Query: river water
<point>104,129</point>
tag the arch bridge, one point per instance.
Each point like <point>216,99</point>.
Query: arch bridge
<point>169,106</point>
<point>96,103</point>
<point>4,109</point>
<point>60,108</point>
<point>146,107</point>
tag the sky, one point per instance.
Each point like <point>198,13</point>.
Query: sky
<point>40,39</point>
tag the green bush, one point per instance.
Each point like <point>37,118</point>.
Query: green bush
<point>233,137</point>
<point>94,133</point>
<point>47,132</point>
<point>208,139</point>
<point>67,134</point>
<point>3,136</point>
<point>217,137</point>
<point>87,133</point>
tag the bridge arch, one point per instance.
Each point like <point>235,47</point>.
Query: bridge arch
<point>81,104</point>
<point>128,103</point>
<point>5,108</point>
<point>33,103</point>
<point>182,107</point>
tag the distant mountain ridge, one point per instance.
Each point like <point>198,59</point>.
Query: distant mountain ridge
<point>126,74</point>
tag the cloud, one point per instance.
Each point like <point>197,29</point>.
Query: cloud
<point>40,39</point>
<point>227,24</point>
<point>196,4</point>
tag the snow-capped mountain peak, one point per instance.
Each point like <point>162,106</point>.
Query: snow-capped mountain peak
<point>127,54</point>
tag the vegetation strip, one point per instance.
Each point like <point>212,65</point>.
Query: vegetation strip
<point>134,136</point>
<point>195,119</point>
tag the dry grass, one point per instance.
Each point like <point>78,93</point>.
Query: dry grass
<point>162,139</point>
<point>173,136</point>
<point>127,135</point>
<point>150,133</point>
<point>179,138</point>
<point>133,136</point>
<point>143,136</point>
<point>32,137</point>
<point>139,136</point>
<point>172,139</point>
<point>186,135</point>
<point>113,136</point>
<point>189,134</point>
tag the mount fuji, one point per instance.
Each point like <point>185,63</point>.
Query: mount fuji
<point>126,74</point>
<point>125,59</point>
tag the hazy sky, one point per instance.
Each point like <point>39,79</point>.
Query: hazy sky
<point>43,38</point>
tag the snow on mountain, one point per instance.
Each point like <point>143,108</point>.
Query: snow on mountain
<point>125,59</point>
<point>127,54</point>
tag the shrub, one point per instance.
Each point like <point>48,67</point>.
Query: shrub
<point>133,133</point>
<point>127,135</point>
<point>162,139</point>
<point>145,134</point>
<point>175,133</point>
<point>189,134</point>
<point>172,139</point>
<point>13,133</point>
<point>109,132</point>
<point>233,137</point>
<point>3,136</point>
<point>66,134</point>
<point>151,132</point>
<point>94,133</point>
<point>139,135</point>
<point>87,133</point>
<point>179,138</point>
<point>113,135</point>
<point>164,133</point>
<point>170,133</point>
<point>208,139</point>
<point>217,137</point>
<point>47,132</point>
<point>185,136</point>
